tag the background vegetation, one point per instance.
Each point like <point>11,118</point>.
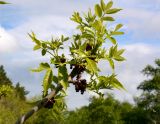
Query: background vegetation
<point>100,110</point>
<point>146,110</point>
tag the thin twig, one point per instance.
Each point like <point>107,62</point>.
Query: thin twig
<point>41,104</point>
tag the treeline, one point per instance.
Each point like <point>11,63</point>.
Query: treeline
<point>108,110</point>
<point>111,111</point>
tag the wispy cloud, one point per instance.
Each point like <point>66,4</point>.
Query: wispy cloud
<point>7,41</point>
<point>51,18</point>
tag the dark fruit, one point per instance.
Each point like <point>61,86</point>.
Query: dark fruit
<point>49,103</point>
<point>80,86</point>
<point>83,81</point>
<point>71,66</point>
<point>88,47</point>
<point>62,60</point>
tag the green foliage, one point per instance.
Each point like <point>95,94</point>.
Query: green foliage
<point>20,91</point>
<point>5,90</point>
<point>4,80</point>
<point>86,51</point>
<point>150,98</point>
<point>100,111</point>
<point>137,116</point>
<point>6,87</point>
<point>11,108</point>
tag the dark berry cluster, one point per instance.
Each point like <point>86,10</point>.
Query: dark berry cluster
<point>80,86</point>
<point>77,70</point>
<point>49,103</point>
<point>88,47</point>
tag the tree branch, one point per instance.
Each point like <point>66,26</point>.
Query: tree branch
<point>41,104</point>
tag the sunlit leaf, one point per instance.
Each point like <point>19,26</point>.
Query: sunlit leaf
<point>42,67</point>
<point>36,47</point>
<point>108,18</point>
<point>47,81</point>
<point>63,76</point>
<point>117,33</point>
<point>118,27</point>
<point>111,63</point>
<point>120,52</point>
<point>112,11</point>
<point>98,10</point>
<point>115,83</point>
<point>92,66</point>
<point>103,5</point>
<point>112,39</point>
<point>109,5</point>
<point>34,39</point>
<point>103,82</point>
<point>119,58</point>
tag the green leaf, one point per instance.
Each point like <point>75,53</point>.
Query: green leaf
<point>115,83</point>
<point>112,39</point>
<point>92,66</point>
<point>3,2</point>
<point>109,5</point>
<point>89,30</point>
<point>81,54</point>
<point>111,52</point>
<point>37,69</point>
<point>118,27</point>
<point>108,18</point>
<point>98,10</point>
<point>117,33</point>
<point>42,67</point>
<point>111,63</point>
<point>112,11</point>
<point>34,39</point>
<point>97,25</point>
<point>44,45</point>
<point>65,39</point>
<point>119,58</point>
<point>55,79</point>
<point>103,5</point>
<point>87,35</point>
<point>103,82</point>
<point>36,47</point>
<point>63,76</point>
<point>43,52</point>
<point>120,52</point>
<point>76,17</point>
<point>47,81</point>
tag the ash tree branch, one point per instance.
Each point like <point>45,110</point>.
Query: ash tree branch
<point>41,104</point>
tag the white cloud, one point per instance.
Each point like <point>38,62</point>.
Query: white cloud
<point>47,18</point>
<point>44,27</point>
<point>7,41</point>
<point>142,23</point>
<point>129,72</point>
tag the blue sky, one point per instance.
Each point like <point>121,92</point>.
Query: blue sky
<point>141,19</point>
